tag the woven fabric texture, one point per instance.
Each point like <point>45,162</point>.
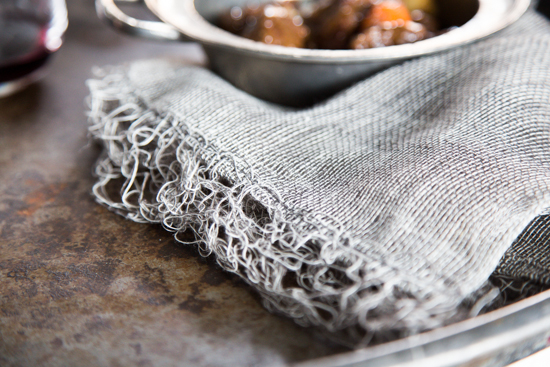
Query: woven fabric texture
<point>384,209</point>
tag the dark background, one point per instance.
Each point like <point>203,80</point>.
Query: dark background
<point>544,7</point>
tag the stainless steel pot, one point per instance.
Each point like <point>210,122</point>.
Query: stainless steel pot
<point>293,76</point>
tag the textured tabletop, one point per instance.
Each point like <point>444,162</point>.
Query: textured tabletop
<point>80,286</point>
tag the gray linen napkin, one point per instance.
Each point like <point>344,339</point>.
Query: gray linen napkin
<point>385,208</point>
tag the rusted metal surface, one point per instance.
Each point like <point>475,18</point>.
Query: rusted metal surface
<point>80,286</point>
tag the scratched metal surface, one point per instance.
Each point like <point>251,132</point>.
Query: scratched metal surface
<point>80,286</point>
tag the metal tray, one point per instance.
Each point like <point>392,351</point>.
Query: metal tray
<point>493,339</point>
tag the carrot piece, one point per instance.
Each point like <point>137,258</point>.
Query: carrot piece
<point>386,11</point>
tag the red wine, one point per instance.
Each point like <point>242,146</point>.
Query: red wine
<point>28,37</point>
<point>17,71</point>
<point>22,47</point>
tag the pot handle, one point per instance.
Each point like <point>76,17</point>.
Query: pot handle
<point>108,11</point>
